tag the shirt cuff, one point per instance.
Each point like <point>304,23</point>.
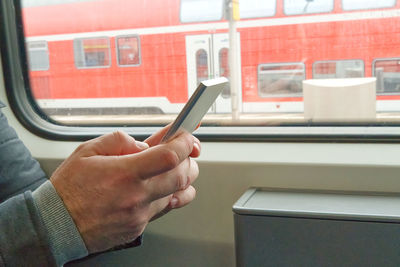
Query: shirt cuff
<point>65,240</point>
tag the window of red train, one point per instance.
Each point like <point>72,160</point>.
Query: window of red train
<point>338,69</point>
<point>201,10</point>
<point>281,79</point>
<point>387,72</point>
<point>296,7</point>
<point>224,69</point>
<point>202,66</point>
<point>92,53</point>
<point>128,51</point>
<point>367,4</point>
<point>256,8</point>
<point>29,3</point>
<point>38,55</point>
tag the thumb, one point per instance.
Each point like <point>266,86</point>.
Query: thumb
<point>114,144</point>
<point>155,139</point>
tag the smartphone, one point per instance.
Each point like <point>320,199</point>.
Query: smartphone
<point>197,106</point>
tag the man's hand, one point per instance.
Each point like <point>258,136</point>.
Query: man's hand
<point>113,185</point>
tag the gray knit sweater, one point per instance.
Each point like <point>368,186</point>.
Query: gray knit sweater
<point>35,228</point>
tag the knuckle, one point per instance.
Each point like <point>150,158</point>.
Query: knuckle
<point>82,146</point>
<point>119,134</point>
<point>169,158</point>
<point>139,219</point>
<point>188,143</point>
<point>138,200</point>
<point>181,181</point>
<point>116,134</point>
<point>136,227</point>
<point>195,168</point>
<point>134,203</point>
<point>194,193</point>
<point>191,193</point>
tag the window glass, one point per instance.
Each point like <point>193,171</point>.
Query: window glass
<point>277,80</point>
<point>38,56</point>
<point>387,73</point>
<point>28,3</point>
<point>92,53</point>
<point>95,62</point>
<point>298,7</point>
<point>256,8</point>
<point>338,69</point>
<point>366,4</point>
<point>128,50</point>
<point>201,10</point>
<point>202,65</point>
<point>224,69</point>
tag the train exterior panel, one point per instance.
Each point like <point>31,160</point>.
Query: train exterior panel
<point>138,53</point>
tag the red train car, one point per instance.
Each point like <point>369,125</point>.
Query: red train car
<point>150,55</point>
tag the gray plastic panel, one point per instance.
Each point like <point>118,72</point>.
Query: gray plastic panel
<point>316,228</point>
<point>308,242</point>
<point>320,204</point>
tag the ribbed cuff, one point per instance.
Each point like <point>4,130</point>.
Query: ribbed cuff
<point>65,240</point>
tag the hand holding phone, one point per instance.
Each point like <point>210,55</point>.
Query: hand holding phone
<point>197,106</point>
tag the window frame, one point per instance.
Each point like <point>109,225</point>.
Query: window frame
<point>117,53</point>
<point>336,61</point>
<point>83,50</point>
<point>47,54</point>
<point>308,13</point>
<point>279,64</point>
<point>22,103</point>
<point>257,17</point>
<point>200,21</point>
<point>366,8</point>
<point>382,93</point>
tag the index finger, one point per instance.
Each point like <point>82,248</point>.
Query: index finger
<point>161,158</point>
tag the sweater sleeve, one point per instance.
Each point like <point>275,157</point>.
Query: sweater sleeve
<point>19,172</point>
<point>23,239</point>
<point>65,240</point>
<point>34,228</point>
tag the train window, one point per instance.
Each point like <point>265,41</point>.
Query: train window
<point>387,73</point>
<point>128,50</point>
<point>338,69</point>
<point>38,55</point>
<point>296,7</point>
<point>92,65</point>
<point>92,52</point>
<point>224,69</point>
<point>280,79</point>
<point>201,10</point>
<point>367,4</point>
<point>201,65</point>
<point>256,8</point>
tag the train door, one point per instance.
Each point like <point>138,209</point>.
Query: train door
<point>207,58</point>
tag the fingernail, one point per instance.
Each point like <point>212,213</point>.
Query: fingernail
<point>173,202</point>
<point>142,145</point>
<point>197,146</point>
